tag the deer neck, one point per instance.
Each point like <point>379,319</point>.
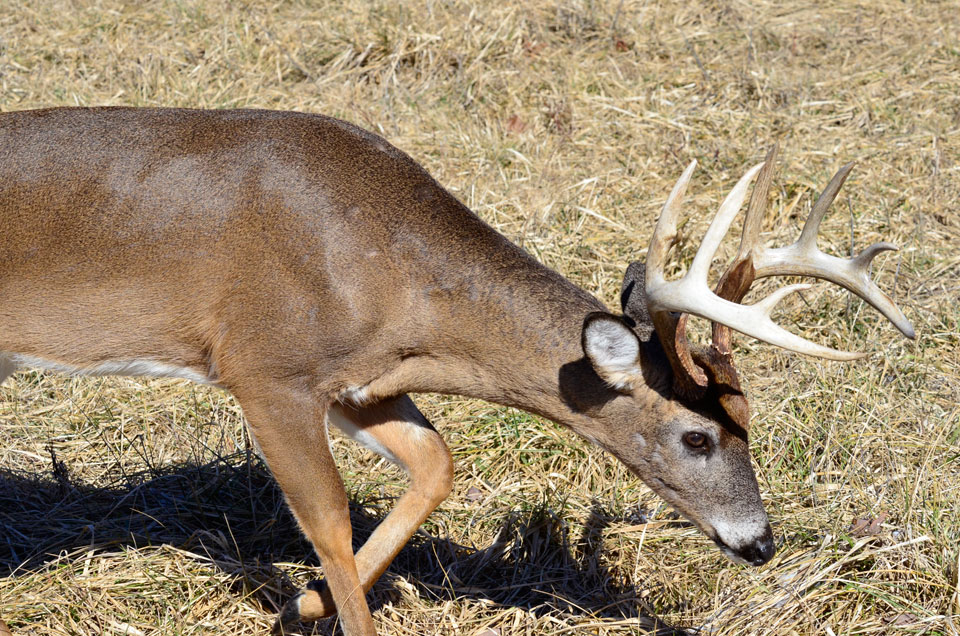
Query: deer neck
<point>516,343</point>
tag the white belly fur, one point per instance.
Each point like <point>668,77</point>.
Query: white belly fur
<point>10,362</point>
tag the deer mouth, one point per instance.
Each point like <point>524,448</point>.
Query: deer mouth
<point>755,553</point>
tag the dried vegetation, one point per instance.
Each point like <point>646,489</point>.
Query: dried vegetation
<point>132,507</point>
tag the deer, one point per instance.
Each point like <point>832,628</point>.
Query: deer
<point>321,276</point>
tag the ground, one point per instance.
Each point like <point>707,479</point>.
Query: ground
<point>138,507</point>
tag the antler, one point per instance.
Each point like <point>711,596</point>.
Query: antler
<point>691,294</point>
<point>803,258</point>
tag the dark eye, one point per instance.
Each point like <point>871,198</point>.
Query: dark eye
<point>695,440</point>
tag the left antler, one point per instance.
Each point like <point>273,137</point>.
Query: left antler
<point>691,294</point>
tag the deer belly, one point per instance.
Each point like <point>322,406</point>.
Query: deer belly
<point>10,362</point>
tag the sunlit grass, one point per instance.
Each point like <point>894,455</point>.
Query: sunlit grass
<point>564,124</point>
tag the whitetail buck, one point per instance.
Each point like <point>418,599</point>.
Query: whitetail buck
<point>320,275</point>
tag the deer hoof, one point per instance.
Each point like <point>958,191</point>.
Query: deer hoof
<point>309,605</point>
<point>289,616</point>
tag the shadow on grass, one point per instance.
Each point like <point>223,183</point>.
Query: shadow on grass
<point>231,510</point>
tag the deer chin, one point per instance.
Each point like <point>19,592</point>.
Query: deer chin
<point>746,543</point>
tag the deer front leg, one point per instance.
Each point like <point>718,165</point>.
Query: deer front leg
<point>289,425</point>
<point>397,430</point>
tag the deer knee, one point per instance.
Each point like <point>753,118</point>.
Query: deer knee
<point>432,477</point>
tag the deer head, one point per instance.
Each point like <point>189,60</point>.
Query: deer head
<point>696,456</point>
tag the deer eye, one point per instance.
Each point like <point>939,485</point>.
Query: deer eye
<point>695,440</point>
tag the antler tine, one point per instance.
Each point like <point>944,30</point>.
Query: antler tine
<point>808,236</point>
<point>803,258</point>
<point>665,233</point>
<point>720,224</point>
<point>756,208</point>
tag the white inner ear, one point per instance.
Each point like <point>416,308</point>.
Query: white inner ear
<point>614,352</point>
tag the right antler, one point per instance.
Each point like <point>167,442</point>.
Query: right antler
<point>691,294</point>
<point>803,258</point>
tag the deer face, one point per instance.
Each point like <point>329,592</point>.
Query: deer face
<point>703,468</point>
<point>692,454</point>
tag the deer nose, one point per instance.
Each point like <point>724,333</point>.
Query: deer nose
<point>760,551</point>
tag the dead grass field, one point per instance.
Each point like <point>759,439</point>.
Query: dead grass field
<point>135,507</point>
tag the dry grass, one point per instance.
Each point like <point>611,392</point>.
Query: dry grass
<point>134,507</point>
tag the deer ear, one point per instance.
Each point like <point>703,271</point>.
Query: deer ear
<point>613,350</point>
<point>633,300</point>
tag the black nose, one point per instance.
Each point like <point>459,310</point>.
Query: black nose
<point>760,551</point>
